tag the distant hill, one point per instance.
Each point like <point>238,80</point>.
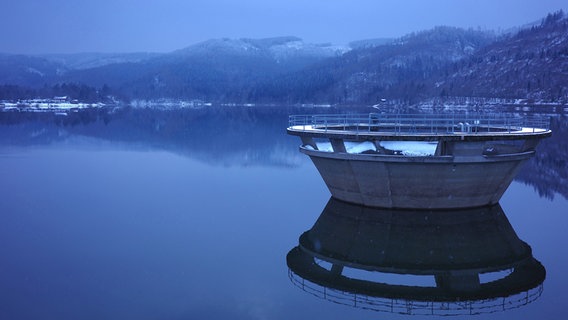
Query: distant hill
<point>440,63</point>
<point>532,63</point>
<point>221,69</point>
<point>218,69</point>
<point>400,69</point>
<point>28,71</point>
<point>81,61</point>
<point>368,43</point>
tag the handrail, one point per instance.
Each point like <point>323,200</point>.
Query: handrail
<point>420,123</point>
<point>416,307</point>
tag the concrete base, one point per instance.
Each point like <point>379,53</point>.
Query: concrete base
<point>417,182</point>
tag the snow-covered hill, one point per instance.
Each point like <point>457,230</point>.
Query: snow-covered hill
<point>444,62</point>
<point>79,61</point>
<point>281,49</point>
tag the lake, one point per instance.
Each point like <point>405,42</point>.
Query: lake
<point>191,214</point>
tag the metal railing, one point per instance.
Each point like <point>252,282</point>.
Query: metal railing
<point>419,123</point>
<point>416,307</point>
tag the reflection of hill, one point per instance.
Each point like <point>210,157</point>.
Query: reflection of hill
<point>371,258</point>
<point>233,135</point>
<point>547,172</point>
<point>239,136</point>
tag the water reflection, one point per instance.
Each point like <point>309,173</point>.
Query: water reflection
<point>232,136</point>
<point>416,262</point>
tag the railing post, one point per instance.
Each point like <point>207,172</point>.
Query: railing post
<point>413,124</point>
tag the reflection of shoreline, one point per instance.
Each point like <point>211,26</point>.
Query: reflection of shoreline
<point>227,137</point>
<point>474,260</point>
<point>250,136</point>
<point>547,172</point>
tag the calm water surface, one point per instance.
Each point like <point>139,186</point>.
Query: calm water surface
<point>140,216</point>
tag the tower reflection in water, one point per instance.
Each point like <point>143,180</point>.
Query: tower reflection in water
<point>416,262</point>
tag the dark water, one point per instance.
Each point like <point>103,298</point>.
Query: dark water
<point>191,215</point>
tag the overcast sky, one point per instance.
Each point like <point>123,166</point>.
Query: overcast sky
<point>70,26</point>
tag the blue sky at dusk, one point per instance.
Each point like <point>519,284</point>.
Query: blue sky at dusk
<point>70,26</point>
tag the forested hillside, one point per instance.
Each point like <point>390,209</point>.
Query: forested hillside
<point>441,63</point>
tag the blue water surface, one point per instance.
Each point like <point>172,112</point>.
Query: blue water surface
<point>139,218</point>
